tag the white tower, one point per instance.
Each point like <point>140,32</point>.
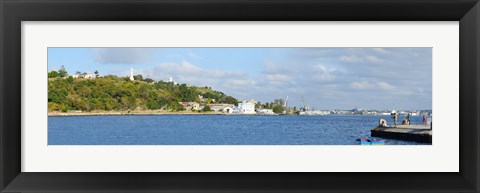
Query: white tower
<point>170,79</point>
<point>131,74</point>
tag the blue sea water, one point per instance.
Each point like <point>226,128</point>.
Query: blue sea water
<point>215,130</point>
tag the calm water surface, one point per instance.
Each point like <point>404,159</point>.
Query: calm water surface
<point>215,130</point>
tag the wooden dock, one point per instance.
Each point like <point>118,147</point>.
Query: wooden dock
<point>418,133</point>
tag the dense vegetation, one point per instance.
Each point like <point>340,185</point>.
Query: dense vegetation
<point>119,93</point>
<point>278,106</point>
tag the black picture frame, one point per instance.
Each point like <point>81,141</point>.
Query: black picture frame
<point>13,12</point>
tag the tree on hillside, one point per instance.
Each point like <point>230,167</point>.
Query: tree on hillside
<point>57,95</point>
<point>138,77</point>
<point>70,79</point>
<point>155,101</point>
<point>149,80</point>
<point>175,106</point>
<point>187,93</point>
<point>209,95</point>
<point>53,74</point>
<point>228,100</point>
<point>62,72</point>
<point>96,74</point>
<point>113,77</point>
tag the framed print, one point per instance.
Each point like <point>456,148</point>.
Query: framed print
<point>260,96</point>
<point>170,121</point>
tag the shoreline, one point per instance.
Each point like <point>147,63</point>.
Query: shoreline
<point>109,113</point>
<point>153,112</point>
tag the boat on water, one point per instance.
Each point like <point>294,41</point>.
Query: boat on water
<point>393,112</point>
<point>314,112</point>
<point>305,110</point>
<point>370,141</point>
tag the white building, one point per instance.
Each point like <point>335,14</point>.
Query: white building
<point>191,106</point>
<point>89,75</point>
<point>86,75</point>
<point>131,74</point>
<point>170,79</point>
<point>226,108</point>
<point>247,107</point>
<point>265,111</point>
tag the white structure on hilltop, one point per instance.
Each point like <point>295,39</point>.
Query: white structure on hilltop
<point>170,79</point>
<point>131,74</point>
<point>247,107</point>
<point>86,75</point>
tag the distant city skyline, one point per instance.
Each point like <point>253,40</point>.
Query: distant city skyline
<point>327,78</point>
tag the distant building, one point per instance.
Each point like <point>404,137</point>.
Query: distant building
<point>86,75</point>
<point>170,79</point>
<point>193,106</point>
<point>131,74</point>
<point>246,107</point>
<point>201,98</point>
<point>217,108</point>
<point>226,108</point>
<point>265,111</point>
<point>89,75</point>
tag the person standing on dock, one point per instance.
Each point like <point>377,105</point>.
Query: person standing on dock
<point>408,119</point>
<point>424,120</point>
<point>395,118</point>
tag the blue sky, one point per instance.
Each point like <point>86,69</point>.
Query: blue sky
<point>327,78</point>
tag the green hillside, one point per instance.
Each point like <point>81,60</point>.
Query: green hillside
<point>110,93</point>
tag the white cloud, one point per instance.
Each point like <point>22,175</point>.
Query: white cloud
<point>123,55</point>
<point>321,72</point>
<point>374,59</point>
<point>193,55</point>
<point>351,58</point>
<point>326,78</point>
<point>186,70</point>
<point>239,82</point>
<point>380,50</point>
<point>385,86</point>
<point>361,85</point>
<point>278,77</point>
<point>377,72</point>
<point>366,85</point>
<point>226,81</point>
<point>360,59</point>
